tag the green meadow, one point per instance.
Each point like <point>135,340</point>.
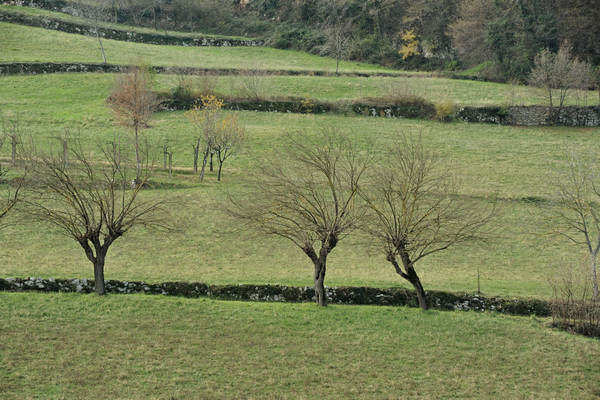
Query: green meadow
<point>72,346</point>
<point>510,163</point>
<point>42,13</point>
<point>77,346</point>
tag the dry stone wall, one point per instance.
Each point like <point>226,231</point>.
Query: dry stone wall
<point>127,36</point>
<point>532,115</point>
<point>279,293</point>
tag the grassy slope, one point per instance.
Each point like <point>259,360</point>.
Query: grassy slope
<point>512,162</point>
<point>75,346</point>
<point>27,44</point>
<point>42,13</point>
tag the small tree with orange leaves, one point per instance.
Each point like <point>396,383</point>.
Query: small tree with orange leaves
<point>206,116</point>
<point>133,103</point>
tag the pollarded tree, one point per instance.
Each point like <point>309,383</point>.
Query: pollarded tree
<point>414,210</point>
<point>309,195</point>
<point>133,102</point>
<point>93,203</point>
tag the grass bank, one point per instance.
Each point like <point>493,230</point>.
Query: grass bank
<point>76,346</point>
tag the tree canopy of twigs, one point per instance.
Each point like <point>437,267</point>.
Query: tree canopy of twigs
<point>133,103</point>
<point>228,140</point>
<point>309,195</point>
<point>204,116</point>
<point>414,211</point>
<point>339,39</point>
<point>558,73</point>
<point>94,203</point>
<point>220,135</point>
<point>10,132</point>
<point>576,214</point>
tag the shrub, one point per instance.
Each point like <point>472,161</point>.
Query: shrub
<point>574,307</point>
<point>445,111</point>
<point>182,94</point>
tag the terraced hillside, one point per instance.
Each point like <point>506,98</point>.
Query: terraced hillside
<point>76,346</point>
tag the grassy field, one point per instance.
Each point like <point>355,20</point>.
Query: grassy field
<point>82,346</point>
<point>510,162</point>
<point>27,44</point>
<point>42,13</point>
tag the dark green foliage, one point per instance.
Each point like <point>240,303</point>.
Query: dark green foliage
<point>300,38</point>
<point>513,32</point>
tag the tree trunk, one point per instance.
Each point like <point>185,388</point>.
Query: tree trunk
<point>101,45</point>
<point>13,155</point>
<point>594,277</point>
<point>138,171</point>
<point>410,275</point>
<point>219,173</point>
<point>211,162</point>
<point>99,276</point>
<point>416,282</point>
<point>196,155</point>
<point>320,269</point>
<point>204,163</point>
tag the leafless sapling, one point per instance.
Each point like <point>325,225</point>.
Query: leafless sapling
<point>414,210</point>
<point>133,102</point>
<point>309,195</point>
<point>338,32</point>
<point>205,117</point>
<point>228,140</point>
<point>93,203</point>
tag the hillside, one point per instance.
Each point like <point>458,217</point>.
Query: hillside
<point>138,345</point>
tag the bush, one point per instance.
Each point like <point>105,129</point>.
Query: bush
<point>182,93</point>
<point>574,307</point>
<point>297,38</point>
<point>444,111</point>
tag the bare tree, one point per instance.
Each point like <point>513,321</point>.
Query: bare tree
<point>228,140</point>
<point>205,116</point>
<point>414,210</point>
<point>133,103</point>
<point>577,214</point>
<point>11,130</point>
<point>92,203</point>
<point>98,12</point>
<point>10,197</point>
<point>338,32</point>
<point>309,195</point>
<point>557,74</point>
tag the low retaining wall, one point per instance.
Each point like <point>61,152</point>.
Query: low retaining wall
<point>276,293</point>
<point>127,36</point>
<point>409,109</point>
<point>50,68</point>
<point>532,115</point>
